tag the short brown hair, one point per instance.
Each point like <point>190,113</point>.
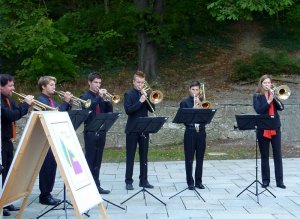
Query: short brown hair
<point>44,81</point>
<point>139,74</point>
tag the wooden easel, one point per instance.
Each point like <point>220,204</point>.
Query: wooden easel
<point>40,134</point>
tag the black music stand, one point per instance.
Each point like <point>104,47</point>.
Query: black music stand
<point>145,125</point>
<point>102,123</point>
<point>255,122</point>
<point>192,116</point>
<point>77,118</point>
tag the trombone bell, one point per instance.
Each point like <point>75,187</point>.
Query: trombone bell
<point>282,92</point>
<point>205,105</point>
<point>156,97</point>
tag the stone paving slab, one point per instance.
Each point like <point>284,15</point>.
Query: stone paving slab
<point>223,180</point>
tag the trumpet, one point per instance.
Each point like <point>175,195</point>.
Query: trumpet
<point>37,105</point>
<point>282,92</point>
<point>75,100</point>
<point>111,97</point>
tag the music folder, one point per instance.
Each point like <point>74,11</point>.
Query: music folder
<point>147,124</point>
<point>192,115</point>
<point>255,121</point>
<point>78,116</point>
<point>102,122</point>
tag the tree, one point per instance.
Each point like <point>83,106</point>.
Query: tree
<point>150,16</point>
<point>243,9</point>
<point>31,46</point>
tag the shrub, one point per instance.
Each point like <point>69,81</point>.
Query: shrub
<point>264,63</point>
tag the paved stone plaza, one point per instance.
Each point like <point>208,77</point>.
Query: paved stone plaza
<point>223,179</point>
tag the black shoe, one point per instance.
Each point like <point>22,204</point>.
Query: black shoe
<point>103,191</point>
<point>49,200</point>
<point>281,185</point>
<point>6,212</point>
<point>11,208</point>
<point>199,186</point>
<point>265,184</point>
<point>129,187</point>
<point>146,185</point>
<point>191,187</point>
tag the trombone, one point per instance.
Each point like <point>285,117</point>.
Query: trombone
<point>205,104</point>
<point>282,92</point>
<point>75,100</point>
<point>37,105</point>
<point>155,97</point>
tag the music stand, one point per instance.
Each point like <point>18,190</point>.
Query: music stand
<point>145,125</point>
<point>255,122</point>
<point>77,118</point>
<point>192,116</point>
<point>102,123</point>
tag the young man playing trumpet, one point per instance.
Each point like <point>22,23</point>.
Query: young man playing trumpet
<point>194,139</point>
<point>10,113</point>
<point>46,85</point>
<point>95,141</point>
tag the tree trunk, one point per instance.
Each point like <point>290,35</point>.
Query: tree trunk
<point>106,6</point>
<point>147,50</point>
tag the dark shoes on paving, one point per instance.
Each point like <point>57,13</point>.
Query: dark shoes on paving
<point>6,212</point>
<point>49,200</point>
<point>265,184</point>
<point>199,186</point>
<point>191,187</point>
<point>129,187</point>
<point>8,208</point>
<point>146,185</point>
<point>103,191</point>
<point>281,185</point>
<point>11,208</point>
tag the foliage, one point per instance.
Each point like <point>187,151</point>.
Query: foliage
<point>244,9</point>
<point>293,16</point>
<point>29,39</point>
<point>263,63</point>
<point>282,38</point>
<point>98,39</point>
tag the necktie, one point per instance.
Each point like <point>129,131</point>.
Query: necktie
<point>97,109</point>
<point>270,133</point>
<point>51,102</point>
<point>14,129</point>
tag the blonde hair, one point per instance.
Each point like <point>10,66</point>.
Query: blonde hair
<point>44,81</point>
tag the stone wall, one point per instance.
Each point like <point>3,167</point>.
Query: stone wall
<point>221,127</point>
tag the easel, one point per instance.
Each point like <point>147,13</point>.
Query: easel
<point>77,118</point>
<point>102,123</point>
<point>192,116</point>
<point>255,122</point>
<point>146,125</point>
<point>54,130</point>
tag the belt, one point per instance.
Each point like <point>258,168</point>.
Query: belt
<point>194,128</point>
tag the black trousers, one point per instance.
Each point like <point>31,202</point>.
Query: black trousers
<point>94,146</point>
<point>132,139</point>
<point>264,147</point>
<point>194,143</point>
<point>47,175</point>
<point>7,154</point>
